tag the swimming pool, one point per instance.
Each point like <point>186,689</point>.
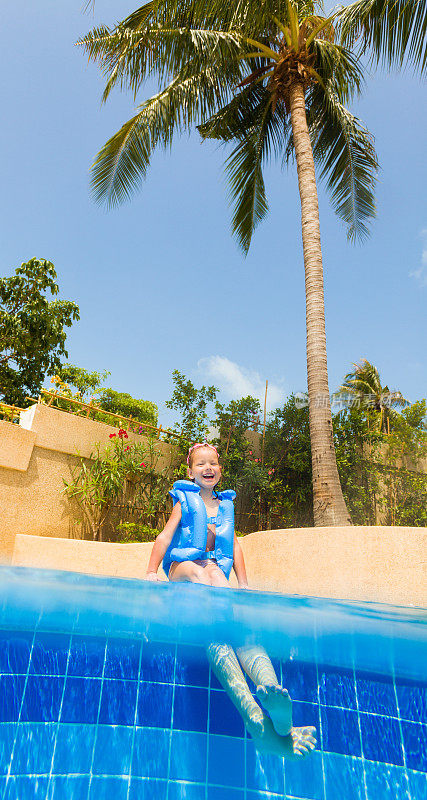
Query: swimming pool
<point>106,692</point>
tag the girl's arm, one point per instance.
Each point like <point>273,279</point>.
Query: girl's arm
<point>239,565</point>
<point>162,543</point>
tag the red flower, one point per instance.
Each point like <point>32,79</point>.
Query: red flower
<point>112,435</point>
<point>250,452</point>
<point>123,434</point>
<point>142,464</point>
<point>127,448</point>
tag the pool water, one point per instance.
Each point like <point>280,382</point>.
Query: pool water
<point>106,692</point>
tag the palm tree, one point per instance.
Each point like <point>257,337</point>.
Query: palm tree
<point>272,79</point>
<point>363,386</point>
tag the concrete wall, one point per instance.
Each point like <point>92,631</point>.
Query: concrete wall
<point>385,565</point>
<point>35,457</point>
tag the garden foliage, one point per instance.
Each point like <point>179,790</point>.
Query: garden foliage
<point>32,329</point>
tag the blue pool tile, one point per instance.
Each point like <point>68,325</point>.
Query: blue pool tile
<point>214,682</point>
<point>81,700</point>
<point>192,668</point>
<point>376,694</point>
<point>7,738</point>
<point>11,691</point>
<point>300,679</point>
<point>157,662</point>
<point>306,714</point>
<point>186,791</point>
<point>49,654</point>
<point>226,765</point>
<point>337,687</point>
<point>122,659</point>
<point>26,787</point>
<point>150,753</point>
<point>42,699</point>
<point>113,749</point>
<point>86,656</point>
<point>147,789</point>
<point>223,715</point>
<point>415,743</point>
<point>417,785</point>
<point>386,782</point>
<point>305,779</point>
<point>264,771</point>
<point>340,731</point>
<point>190,709</point>
<point>154,705</point>
<point>74,748</point>
<point>118,701</point>
<point>34,747</point>
<point>108,788</point>
<point>381,739</point>
<point>70,787</point>
<point>15,651</point>
<point>412,699</point>
<point>344,778</point>
<point>265,796</point>
<point>219,793</point>
<point>188,756</point>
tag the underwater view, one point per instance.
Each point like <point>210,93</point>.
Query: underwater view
<point>106,692</point>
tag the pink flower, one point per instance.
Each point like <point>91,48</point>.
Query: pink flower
<point>270,471</point>
<point>250,452</point>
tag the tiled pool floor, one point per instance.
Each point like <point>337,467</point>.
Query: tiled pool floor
<point>86,718</point>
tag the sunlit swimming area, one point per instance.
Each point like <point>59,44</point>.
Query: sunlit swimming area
<point>106,691</point>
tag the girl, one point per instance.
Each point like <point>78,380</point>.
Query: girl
<point>198,544</point>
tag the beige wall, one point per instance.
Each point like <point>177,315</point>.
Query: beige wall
<point>385,565</point>
<point>35,457</point>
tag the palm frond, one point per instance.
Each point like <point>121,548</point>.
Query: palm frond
<point>247,188</point>
<point>393,31</point>
<point>128,57</point>
<point>345,152</point>
<point>123,161</point>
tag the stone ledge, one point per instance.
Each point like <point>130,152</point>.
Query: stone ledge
<point>377,564</point>
<point>16,446</point>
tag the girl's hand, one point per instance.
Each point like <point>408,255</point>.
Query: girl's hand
<point>152,576</point>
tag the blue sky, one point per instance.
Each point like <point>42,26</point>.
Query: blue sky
<point>160,282</point>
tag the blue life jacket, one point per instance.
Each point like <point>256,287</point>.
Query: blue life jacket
<point>189,540</point>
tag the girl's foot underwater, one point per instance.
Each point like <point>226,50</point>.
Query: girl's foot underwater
<point>297,744</point>
<point>277,702</point>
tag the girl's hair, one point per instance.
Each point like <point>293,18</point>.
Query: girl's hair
<point>191,452</point>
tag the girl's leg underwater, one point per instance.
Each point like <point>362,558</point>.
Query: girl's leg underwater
<point>298,743</point>
<point>275,735</point>
<point>270,693</point>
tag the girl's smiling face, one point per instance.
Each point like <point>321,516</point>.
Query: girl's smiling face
<point>204,467</point>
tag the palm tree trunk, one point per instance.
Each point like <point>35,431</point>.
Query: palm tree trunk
<point>328,502</point>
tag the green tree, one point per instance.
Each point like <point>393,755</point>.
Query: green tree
<point>32,329</point>
<point>287,452</point>
<point>239,471</point>
<point>81,379</point>
<point>124,404</point>
<point>363,387</point>
<point>270,78</point>
<point>192,405</point>
<point>105,398</point>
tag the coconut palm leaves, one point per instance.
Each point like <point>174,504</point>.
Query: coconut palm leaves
<point>391,31</point>
<point>363,385</point>
<point>235,88</point>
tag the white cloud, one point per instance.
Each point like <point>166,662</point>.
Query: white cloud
<point>236,381</point>
<point>420,274</point>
